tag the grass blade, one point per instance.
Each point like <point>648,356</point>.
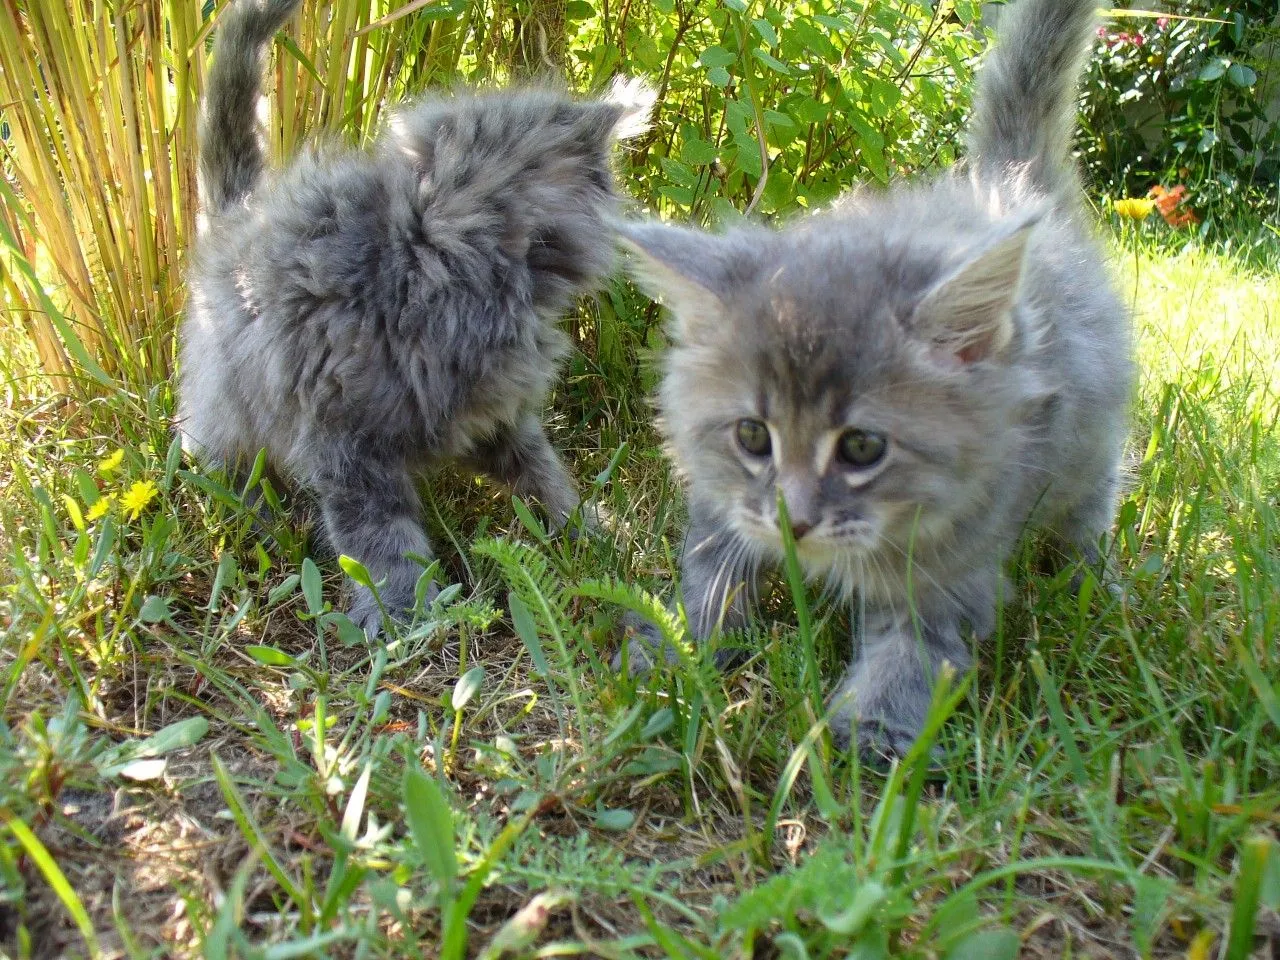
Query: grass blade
<point>57,880</point>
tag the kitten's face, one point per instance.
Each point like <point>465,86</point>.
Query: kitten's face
<point>810,367</point>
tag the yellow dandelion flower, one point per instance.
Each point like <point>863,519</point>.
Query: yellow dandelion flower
<point>100,508</point>
<point>1135,208</point>
<point>111,463</point>
<point>137,497</point>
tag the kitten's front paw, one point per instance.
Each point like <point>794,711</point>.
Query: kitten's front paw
<point>878,740</point>
<point>643,644</point>
<point>364,612</point>
<point>645,647</point>
<point>590,520</point>
<point>881,726</point>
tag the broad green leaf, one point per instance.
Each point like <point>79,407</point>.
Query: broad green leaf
<point>1214,69</point>
<point>431,823</point>
<point>154,609</point>
<point>625,724</point>
<point>527,631</point>
<point>348,633</point>
<point>791,946</point>
<point>1241,76</point>
<point>615,820</point>
<point>998,943</point>
<point>270,656</point>
<point>773,63</point>
<point>527,518</point>
<point>766,31</point>
<point>661,721</point>
<point>311,587</point>
<point>466,687</point>
<point>175,736</point>
<point>356,571</point>
<point>850,920</point>
<point>697,152</point>
<point>716,57</point>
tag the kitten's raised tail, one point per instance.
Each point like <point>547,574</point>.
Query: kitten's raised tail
<point>1025,106</point>
<point>231,150</point>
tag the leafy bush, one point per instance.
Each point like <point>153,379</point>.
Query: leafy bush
<point>1182,99</point>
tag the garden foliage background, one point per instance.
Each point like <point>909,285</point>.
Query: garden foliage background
<point>766,108</point>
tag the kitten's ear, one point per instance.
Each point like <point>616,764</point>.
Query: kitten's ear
<point>969,313</point>
<point>680,267</point>
<point>634,100</point>
<point>621,114</point>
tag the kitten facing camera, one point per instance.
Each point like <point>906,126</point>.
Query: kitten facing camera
<point>362,315</point>
<point>923,373</point>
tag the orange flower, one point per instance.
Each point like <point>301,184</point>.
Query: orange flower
<point>1168,203</point>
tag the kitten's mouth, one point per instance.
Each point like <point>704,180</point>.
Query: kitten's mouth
<point>817,548</point>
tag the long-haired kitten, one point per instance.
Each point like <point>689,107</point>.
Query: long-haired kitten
<point>362,314</point>
<point>922,373</point>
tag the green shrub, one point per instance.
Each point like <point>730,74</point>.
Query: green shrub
<point>1182,99</point>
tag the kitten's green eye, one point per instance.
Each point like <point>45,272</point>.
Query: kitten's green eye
<point>753,437</point>
<point>859,448</point>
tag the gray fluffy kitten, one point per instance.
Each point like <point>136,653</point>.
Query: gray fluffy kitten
<point>922,373</point>
<point>361,314</point>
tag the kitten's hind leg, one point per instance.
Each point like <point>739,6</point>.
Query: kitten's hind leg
<point>371,513</point>
<point>523,459</point>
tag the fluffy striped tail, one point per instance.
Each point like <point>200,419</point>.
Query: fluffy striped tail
<point>231,149</point>
<point>1025,108</point>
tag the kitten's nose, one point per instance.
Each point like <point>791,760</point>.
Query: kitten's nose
<point>800,527</point>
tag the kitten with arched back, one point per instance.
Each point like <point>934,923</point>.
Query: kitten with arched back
<point>363,314</point>
<point>921,372</point>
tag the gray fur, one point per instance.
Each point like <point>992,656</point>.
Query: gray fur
<point>361,315</point>
<point>970,320</point>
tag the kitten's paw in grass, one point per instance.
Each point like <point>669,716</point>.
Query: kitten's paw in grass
<point>879,742</point>
<point>643,646</point>
<point>591,519</point>
<point>399,601</point>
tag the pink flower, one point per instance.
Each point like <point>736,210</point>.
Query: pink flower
<point>1138,40</point>
<point>1162,22</point>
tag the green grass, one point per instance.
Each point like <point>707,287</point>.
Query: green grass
<point>196,756</point>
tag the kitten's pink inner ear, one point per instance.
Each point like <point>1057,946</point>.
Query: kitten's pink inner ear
<point>969,313</point>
